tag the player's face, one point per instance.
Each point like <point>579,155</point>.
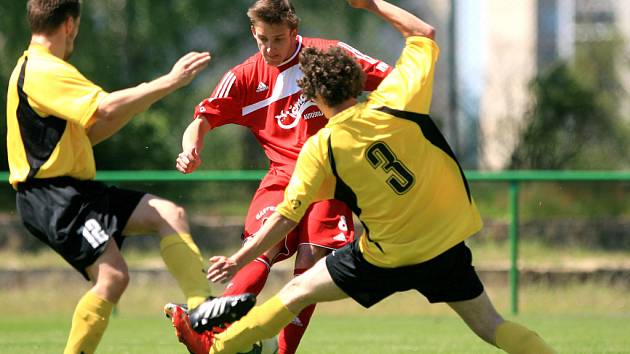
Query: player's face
<point>276,42</point>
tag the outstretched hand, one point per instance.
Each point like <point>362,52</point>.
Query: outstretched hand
<point>188,66</point>
<point>188,161</point>
<point>222,269</point>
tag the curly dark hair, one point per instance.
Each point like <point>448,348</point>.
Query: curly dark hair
<point>45,16</point>
<point>273,12</point>
<point>330,74</point>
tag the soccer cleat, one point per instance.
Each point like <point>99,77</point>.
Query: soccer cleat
<point>170,308</point>
<point>196,343</point>
<point>219,311</point>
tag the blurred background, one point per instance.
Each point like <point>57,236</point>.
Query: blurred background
<point>521,84</point>
<point>536,84</point>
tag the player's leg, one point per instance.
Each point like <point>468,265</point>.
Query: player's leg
<point>290,336</point>
<point>451,278</point>
<point>253,276</point>
<point>327,225</point>
<point>266,320</point>
<point>179,252</point>
<point>215,311</point>
<point>89,222</point>
<point>110,277</point>
<point>481,316</point>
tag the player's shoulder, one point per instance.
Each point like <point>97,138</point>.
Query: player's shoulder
<point>316,146</point>
<point>320,139</point>
<point>42,67</point>
<point>249,68</point>
<point>320,43</point>
<point>44,63</point>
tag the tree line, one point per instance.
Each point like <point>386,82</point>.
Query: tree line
<point>125,42</point>
<point>574,120</point>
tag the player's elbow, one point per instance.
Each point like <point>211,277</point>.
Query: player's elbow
<point>429,32</point>
<point>423,30</point>
<point>104,113</point>
<point>420,30</point>
<point>113,109</point>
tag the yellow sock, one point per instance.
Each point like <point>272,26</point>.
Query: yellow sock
<point>183,259</point>
<point>264,321</point>
<point>88,324</point>
<point>516,339</point>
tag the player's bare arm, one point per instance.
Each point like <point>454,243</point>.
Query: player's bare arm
<point>119,107</point>
<point>273,230</point>
<point>405,22</point>
<point>192,144</point>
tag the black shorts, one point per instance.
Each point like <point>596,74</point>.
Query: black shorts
<point>448,277</point>
<point>75,218</point>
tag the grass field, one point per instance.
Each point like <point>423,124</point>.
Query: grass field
<point>334,334</point>
<point>575,318</point>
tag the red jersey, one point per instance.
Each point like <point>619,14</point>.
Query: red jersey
<point>267,100</point>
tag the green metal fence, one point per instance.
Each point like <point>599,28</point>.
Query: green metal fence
<point>513,178</point>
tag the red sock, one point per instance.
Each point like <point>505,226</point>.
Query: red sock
<point>290,336</point>
<point>250,279</point>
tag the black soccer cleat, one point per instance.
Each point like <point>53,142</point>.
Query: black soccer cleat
<point>218,311</point>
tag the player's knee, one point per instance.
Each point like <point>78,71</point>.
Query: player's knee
<point>114,282</point>
<point>307,256</point>
<point>171,212</point>
<point>296,294</point>
<point>165,214</point>
<point>486,329</point>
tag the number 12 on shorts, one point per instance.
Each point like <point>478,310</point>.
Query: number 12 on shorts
<point>93,233</point>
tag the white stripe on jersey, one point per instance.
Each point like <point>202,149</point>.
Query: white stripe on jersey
<point>357,53</point>
<point>285,86</point>
<point>225,85</point>
<point>297,50</point>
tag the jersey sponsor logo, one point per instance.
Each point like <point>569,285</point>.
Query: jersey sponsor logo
<point>302,109</point>
<point>265,211</point>
<point>261,87</point>
<point>93,233</point>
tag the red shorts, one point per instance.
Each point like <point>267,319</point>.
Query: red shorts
<point>326,224</point>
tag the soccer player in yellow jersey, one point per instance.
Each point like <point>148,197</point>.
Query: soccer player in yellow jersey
<point>389,162</point>
<point>54,117</point>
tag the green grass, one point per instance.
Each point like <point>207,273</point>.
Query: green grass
<point>589,317</point>
<point>334,334</point>
<point>575,317</point>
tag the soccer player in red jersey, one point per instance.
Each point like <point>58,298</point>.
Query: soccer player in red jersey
<point>262,94</point>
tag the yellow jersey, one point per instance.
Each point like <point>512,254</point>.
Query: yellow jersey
<point>389,162</point>
<point>49,106</point>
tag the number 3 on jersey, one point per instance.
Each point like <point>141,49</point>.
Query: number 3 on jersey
<point>380,155</point>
